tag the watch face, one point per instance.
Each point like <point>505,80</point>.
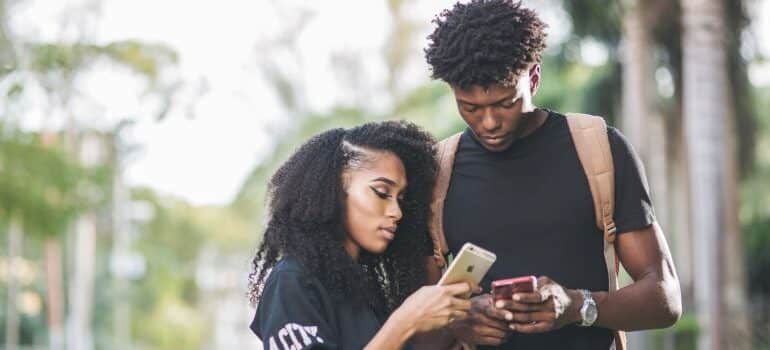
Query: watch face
<point>591,313</point>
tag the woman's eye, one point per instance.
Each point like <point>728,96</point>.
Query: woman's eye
<point>380,194</point>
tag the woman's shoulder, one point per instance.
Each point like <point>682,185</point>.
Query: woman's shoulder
<point>290,271</point>
<point>289,265</point>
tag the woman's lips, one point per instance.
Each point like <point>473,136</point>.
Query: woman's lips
<point>388,232</point>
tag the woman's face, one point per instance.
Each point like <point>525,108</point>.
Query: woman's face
<point>372,210</point>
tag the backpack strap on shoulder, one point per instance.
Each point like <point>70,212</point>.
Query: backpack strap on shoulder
<point>445,152</point>
<point>589,134</point>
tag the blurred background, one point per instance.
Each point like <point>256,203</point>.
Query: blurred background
<point>136,139</point>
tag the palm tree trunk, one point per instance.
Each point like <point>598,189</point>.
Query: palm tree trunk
<point>15,238</point>
<point>637,75</point>
<point>54,293</point>
<point>637,99</point>
<point>82,284</point>
<point>52,257</point>
<point>737,333</point>
<point>705,98</point>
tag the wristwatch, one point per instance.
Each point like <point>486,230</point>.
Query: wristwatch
<point>588,312</point>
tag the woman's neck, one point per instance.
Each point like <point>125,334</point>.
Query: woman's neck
<point>352,249</point>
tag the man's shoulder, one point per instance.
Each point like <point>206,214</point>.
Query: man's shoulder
<point>451,138</point>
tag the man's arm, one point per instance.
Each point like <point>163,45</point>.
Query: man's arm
<point>654,299</point>
<point>432,270</point>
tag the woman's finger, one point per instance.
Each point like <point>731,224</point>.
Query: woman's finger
<point>458,288</point>
<point>459,315</point>
<point>462,304</point>
<point>485,331</point>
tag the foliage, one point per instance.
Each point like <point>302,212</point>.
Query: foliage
<point>44,185</point>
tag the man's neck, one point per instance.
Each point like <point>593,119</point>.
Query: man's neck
<point>531,122</point>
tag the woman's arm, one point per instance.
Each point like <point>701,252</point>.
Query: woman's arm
<point>428,309</point>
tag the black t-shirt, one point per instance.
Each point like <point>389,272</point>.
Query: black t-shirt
<point>296,312</point>
<point>531,205</point>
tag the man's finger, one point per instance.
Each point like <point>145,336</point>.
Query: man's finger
<point>491,341</point>
<point>499,314</point>
<point>491,322</point>
<point>543,280</point>
<point>537,327</point>
<point>529,298</point>
<point>518,306</point>
<point>527,317</point>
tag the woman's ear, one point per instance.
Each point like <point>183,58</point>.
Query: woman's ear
<point>346,179</point>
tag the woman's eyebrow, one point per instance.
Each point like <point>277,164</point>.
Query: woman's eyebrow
<point>385,180</point>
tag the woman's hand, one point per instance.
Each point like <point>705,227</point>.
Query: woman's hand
<point>429,308</point>
<point>434,307</point>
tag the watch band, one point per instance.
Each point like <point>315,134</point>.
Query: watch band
<point>588,311</point>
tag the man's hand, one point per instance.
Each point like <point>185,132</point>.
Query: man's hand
<point>549,308</point>
<point>485,324</point>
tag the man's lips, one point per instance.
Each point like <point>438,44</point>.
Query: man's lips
<point>493,139</point>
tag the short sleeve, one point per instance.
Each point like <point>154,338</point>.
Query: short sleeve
<point>293,314</point>
<point>633,207</point>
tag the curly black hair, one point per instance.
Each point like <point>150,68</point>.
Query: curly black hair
<point>484,42</point>
<point>306,208</point>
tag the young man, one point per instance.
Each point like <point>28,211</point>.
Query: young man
<point>518,188</point>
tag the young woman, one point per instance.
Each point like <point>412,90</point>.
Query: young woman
<point>342,259</point>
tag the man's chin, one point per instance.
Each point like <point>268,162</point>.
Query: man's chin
<point>496,146</point>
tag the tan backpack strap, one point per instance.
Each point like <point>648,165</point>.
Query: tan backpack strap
<point>445,152</point>
<point>589,134</point>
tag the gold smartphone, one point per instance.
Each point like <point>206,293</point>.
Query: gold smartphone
<point>470,265</point>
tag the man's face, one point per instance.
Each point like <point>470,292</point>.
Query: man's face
<point>494,114</point>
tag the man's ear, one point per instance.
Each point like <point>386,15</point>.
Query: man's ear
<point>534,78</point>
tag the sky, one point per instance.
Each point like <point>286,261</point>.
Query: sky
<point>227,117</point>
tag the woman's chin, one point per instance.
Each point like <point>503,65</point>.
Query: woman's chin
<point>379,248</point>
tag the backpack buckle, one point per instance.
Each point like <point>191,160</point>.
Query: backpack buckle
<point>439,260</point>
<point>609,231</point>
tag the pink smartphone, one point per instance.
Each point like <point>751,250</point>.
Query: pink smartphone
<point>504,289</point>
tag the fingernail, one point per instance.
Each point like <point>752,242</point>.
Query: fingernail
<point>513,327</point>
<point>516,297</point>
<point>500,304</point>
<point>509,316</point>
